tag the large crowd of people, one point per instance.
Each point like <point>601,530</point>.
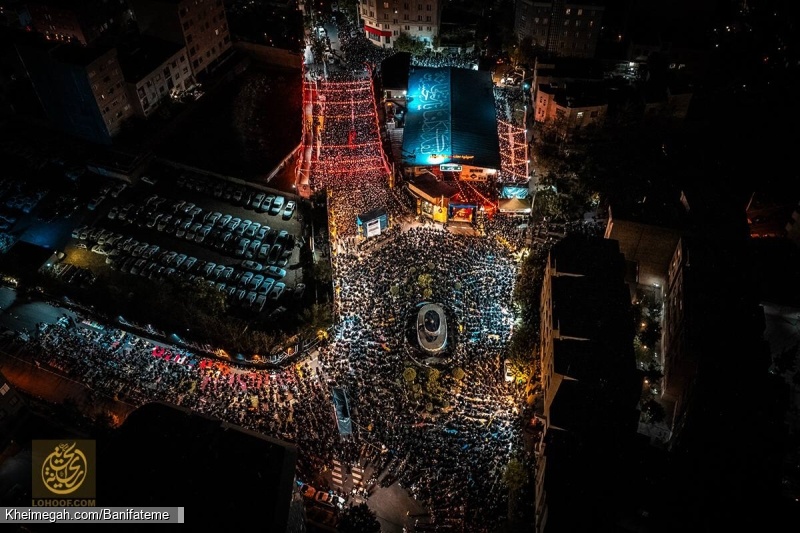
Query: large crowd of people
<point>446,434</point>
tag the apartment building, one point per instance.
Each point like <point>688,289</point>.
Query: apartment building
<point>385,20</point>
<point>81,88</point>
<point>565,29</point>
<point>589,382</point>
<point>154,70</point>
<point>80,21</point>
<point>199,25</point>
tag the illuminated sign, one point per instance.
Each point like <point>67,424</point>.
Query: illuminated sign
<point>449,167</point>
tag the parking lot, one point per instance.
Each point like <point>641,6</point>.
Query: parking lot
<point>175,225</point>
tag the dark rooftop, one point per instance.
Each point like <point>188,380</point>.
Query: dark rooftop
<point>167,455</point>
<point>147,55</point>
<point>587,256</point>
<point>394,71</point>
<point>587,308</point>
<point>433,187</point>
<point>78,55</point>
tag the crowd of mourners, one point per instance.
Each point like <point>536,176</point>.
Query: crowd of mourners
<point>443,436</point>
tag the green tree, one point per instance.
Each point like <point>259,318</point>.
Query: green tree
<point>515,476</point>
<point>425,281</point>
<point>458,373</point>
<point>407,43</point>
<point>409,374</point>
<point>323,273</point>
<point>358,519</point>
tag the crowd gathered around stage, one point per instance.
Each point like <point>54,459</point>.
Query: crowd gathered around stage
<point>446,433</point>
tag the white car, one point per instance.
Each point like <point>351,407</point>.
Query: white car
<point>245,279</point>
<point>258,199</point>
<point>209,268</point>
<point>277,205</point>
<point>179,260</point>
<point>288,211</point>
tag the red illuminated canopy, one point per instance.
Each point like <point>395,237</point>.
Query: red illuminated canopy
<point>380,33</point>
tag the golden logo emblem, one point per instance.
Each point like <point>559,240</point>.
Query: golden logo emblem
<point>64,470</point>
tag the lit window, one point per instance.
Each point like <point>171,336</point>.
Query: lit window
<point>569,11</point>
<point>580,12</point>
<point>580,114</point>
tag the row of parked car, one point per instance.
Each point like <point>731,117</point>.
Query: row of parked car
<point>244,283</point>
<point>228,234</point>
<point>240,195</point>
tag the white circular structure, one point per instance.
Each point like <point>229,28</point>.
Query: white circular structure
<point>431,328</point>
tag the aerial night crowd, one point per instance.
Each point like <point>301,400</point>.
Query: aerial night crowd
<point>446,434</point>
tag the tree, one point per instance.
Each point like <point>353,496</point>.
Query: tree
<point>409,374</point>
<point>515,476</point>
<point>407,43</point>
<point>323,273</point>
<point>458,373</point>
<point>358,519</point>
<point>653,412</point>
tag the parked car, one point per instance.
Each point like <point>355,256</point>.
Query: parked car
<point>179,260</point>
<point>267,203</point>
<point>226,273</point>
<point>234,223</point>
<point>274,254</point>
<point>256,282</point>
<point>252,250</point>
<point>299,290</point>
<point>216,272</point>
<point>164,222</point>
<point>209,268</point>
<point>282,238</point>
<point>251,298</point>
<point>277,290</point>
<point>192,233</point>
<point>242,228</point>
<point>288,211</point>
<point>252,229</point>
<point>187,265</point>
<point>245,279</point>
<point>258,199</point>
<point>261,300</point>
<point>202,234</point>
<point>212,218</point>
<point>263,252</point>
<point>224,221</point>
<point>275,272</point>
<point>324,498</point>
<point>277,205</point>
<point>169,258</point>
<point>261,233</point>
<point>252,265</point>
<point>242,248</point>
<point>113,212</point>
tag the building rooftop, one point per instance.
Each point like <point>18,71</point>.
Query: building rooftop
<point>586,256</point>
<point>451,118</point>
<point>394,71</point>
<point>591,308</point>
<point>76,54</point>
<point>428,184</point>
<point>222,473</point>
<point>576,94</point>
<point>650,248</point>
<point>147,55</point>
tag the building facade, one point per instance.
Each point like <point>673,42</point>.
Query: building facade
<point>199,25</point>
<point>82,21</point>
<point>566,29</point>
<point>385,20</point>
<point>155,70</point>
<point>569,111</point>
<point>81,89</point>
<point>590,386</point>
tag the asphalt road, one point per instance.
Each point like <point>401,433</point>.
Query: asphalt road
<point>18,314</point>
